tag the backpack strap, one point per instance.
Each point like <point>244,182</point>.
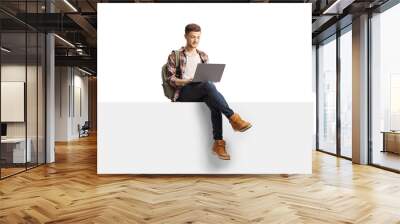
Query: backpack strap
<point>177,60</point>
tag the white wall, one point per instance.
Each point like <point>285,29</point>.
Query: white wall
<point>68,83</point>
<point>61,103</point>
<point>80,84</point>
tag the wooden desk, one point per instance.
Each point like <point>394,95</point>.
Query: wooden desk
<point>13,150</point>
<point>391,141</point>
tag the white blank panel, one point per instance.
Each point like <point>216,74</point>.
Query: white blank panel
<point>176,138</point>
<point>12,101</point>
<point>267,80</point>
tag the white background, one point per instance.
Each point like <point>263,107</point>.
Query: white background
<point>267,79</point>
<point>266,49</point>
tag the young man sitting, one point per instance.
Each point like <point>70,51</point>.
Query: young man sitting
<point>187,91</point>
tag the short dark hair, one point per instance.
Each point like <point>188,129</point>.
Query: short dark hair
<point>192,28</point>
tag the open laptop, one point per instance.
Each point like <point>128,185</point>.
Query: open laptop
<point>208,72</point>
<point>3,131</point>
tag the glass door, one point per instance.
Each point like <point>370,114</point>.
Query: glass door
<point>346,92</point>
<point>327,95</point>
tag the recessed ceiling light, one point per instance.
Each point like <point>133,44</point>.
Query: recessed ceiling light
<point>338,6</point>
<point>70,5</point>
<point>84,71</point>
<point>5,49</point>
<point>64,40</point>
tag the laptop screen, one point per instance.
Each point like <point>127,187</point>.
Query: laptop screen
<point>3,129</point>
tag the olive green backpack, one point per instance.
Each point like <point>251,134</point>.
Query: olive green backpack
<point>169,91</point>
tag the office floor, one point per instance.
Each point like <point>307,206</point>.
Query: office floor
<point>70,191</point>
<point>10,170</point>
<point>387,159</point>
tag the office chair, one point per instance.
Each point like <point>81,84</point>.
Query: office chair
<point>84,130</point>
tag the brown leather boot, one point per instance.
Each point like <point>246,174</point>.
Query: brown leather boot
<point>219,150</point>
<point>238,124</point>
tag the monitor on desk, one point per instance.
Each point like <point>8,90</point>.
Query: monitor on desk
<point>3,130</point>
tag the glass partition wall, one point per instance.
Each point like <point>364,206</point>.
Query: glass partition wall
<point>22,77</point>
<point>327,95</point>
<point>13,90</point>
<point>334,85</point>
<point>334,105</point>
<point>385,89</point>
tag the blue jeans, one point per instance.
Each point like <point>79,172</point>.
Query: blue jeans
<point>208,93</point>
